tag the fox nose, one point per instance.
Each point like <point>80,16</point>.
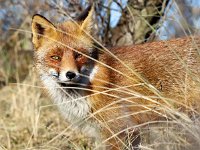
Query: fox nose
<point>70,75</point>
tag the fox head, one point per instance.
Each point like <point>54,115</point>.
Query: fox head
<point>65,52</point>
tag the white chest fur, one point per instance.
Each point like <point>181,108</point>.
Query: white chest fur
<point>73,107</point>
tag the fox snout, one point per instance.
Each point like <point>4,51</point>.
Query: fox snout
<point>69,76</point>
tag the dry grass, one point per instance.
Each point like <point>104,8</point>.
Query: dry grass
<point>29,120</point>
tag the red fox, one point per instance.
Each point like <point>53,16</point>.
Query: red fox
<point>106,94</point>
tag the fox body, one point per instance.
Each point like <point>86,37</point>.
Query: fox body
<point>106,93</point>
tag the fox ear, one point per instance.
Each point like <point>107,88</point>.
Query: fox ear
<point>86,19</point>
<point>41,29</point>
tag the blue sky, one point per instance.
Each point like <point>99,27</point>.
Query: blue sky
<point>173,23</point>
<point>116,12</point>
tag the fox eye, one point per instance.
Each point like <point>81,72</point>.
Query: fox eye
<point>55,57</point>
<point>78,55</point>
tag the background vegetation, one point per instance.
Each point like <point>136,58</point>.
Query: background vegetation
<point>28,119</point>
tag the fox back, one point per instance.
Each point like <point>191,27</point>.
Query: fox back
<point>106,92</point>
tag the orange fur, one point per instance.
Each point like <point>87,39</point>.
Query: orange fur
<point>157,77</point>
